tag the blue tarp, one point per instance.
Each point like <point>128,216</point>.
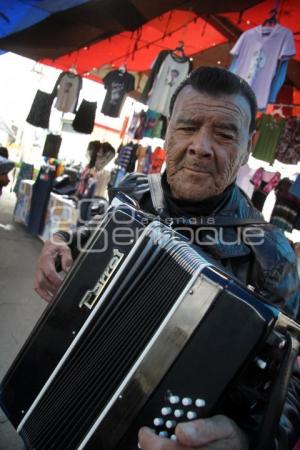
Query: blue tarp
<point>15,15</point>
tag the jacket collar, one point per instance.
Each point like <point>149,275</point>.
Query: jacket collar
<point>221,242</point>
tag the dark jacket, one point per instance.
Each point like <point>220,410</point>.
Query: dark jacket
<point>268,264</point>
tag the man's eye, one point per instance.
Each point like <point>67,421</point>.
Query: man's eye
<point>225,136</point>
<point>187,129</point>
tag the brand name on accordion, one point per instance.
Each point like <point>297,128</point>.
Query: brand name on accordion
<point>92,296</point>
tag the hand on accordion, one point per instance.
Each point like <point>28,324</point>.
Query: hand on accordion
<point>47,280</point>
<point>216,433</point>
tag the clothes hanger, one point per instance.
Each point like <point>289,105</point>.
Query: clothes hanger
<point>73,69</point>
<point>278,112</point>
<point>178,52</point>
<point>122,68</point>
<point>270,22</point>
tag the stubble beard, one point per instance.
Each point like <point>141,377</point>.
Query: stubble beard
<point>183,189</point>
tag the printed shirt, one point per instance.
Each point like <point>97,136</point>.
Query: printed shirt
<point>171,74</point>
<point>258,52</point>
<point>68,92</point>
<point>288,149</point>
<point>117,84</point>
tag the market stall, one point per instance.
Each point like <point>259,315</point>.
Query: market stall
<point>140,70</point>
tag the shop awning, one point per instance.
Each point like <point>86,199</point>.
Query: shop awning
<point>95,20</point>
<point>108,33</point>
<point>16,15</point>
<point>207,37</point>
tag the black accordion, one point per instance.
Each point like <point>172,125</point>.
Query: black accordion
<point>144,331</point>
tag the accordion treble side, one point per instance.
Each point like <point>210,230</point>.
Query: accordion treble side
<point>144,331</point>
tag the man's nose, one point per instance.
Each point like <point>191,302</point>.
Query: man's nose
<point>200,144</point>
<point>6,180</point>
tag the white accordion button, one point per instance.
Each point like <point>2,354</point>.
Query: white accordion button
<point>158,421</point>
<point>170,424</point>
<point>166,411</point>
<point>173,437</point>
<point>178,413</point>
<point>200,403</point>
<point>261,363</point>
<point>191,415</point>
<point>174,399</point>
<point>186,401</point>
<point>163,434</point>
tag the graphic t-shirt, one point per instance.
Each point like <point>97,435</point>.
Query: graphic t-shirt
<point>117,84</point>
<point>288,150</point>
<point>258,52</point>
<point>68,87</point>
<point>171,74</point>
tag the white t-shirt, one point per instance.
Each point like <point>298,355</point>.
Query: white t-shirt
<point>68,92</point>
<point>258,52</point>
<point>169,77</point>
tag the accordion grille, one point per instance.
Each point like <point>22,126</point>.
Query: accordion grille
<point>105,352</point>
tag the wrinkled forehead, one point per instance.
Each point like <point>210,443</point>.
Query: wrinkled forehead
<point>194,103</point>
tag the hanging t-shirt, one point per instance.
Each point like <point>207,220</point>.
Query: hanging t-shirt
<point>117,84</point>
<point>67,88</point>
<point>288,149</point>
<point>258,52</point>
<point>154,71</point>
<point>270,129</point>
<point>172,72</point>
<point>40,196</point>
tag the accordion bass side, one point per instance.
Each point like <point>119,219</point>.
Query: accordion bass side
<point>144,331</point>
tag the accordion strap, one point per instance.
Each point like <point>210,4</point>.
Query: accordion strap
<point>156,192</point>
<point>158,201</point>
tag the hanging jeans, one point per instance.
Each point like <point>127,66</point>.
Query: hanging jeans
<point>39,201</point>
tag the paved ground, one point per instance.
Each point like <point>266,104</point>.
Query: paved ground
<point>20,307</point>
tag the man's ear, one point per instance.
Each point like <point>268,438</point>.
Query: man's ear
<point>250,146</point>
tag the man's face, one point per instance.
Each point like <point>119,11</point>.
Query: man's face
<point>207,141</point>
<point>4,180</point>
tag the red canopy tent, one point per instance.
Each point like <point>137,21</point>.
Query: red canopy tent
<point>139,48</point>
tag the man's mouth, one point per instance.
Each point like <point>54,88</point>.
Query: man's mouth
<point>196,170</point>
